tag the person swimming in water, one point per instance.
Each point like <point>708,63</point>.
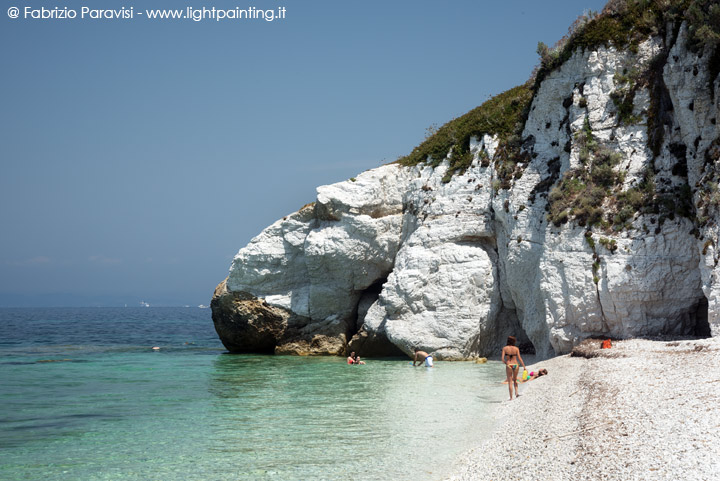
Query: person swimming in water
<point>511,365</point>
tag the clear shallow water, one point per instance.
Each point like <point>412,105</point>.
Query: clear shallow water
<point>83,397</point>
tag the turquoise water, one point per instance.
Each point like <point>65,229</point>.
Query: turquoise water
<point>110,408</point>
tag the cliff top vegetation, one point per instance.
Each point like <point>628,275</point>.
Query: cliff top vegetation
<point>622,24</point>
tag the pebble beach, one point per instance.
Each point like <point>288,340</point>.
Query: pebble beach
<point>642,410</point>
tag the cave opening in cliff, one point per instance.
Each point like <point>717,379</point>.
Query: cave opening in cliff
<point>367,299</point>
<point>490,344</point>
<point>508,317</point>
<point>370,344</point>
<point>701,326</point>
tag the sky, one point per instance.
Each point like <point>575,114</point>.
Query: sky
<point>137,156</point>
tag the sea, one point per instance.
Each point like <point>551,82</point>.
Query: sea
<point>84,396</point>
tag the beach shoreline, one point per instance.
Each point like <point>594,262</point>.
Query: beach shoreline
<point>644,409</point>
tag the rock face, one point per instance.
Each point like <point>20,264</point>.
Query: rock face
<point>400,257</point>
<point>301,282</point>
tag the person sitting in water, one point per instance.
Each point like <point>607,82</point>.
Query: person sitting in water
<point>359,361</point>
<point>421,356</point>
<point>511,365</point>
<point>351,358</point>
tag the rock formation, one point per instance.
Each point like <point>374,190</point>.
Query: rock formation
<point>596,217</point>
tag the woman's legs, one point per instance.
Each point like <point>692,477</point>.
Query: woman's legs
<point>515,375</point>
<point>509,374</point>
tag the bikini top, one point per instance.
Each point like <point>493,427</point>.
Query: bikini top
<point>512,354</point>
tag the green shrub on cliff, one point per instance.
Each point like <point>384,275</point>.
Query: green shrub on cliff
<point>625,23</point>
<point>503,115</point>
<point>581,192</point>
<point>622,24</point>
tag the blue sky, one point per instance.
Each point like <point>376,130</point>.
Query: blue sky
<point>138,156</point>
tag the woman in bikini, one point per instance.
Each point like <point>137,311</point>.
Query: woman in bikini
<point>511,365</point>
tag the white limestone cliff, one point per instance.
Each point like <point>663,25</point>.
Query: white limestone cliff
<point>398,258</point>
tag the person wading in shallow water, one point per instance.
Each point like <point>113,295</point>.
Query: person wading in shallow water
<point>421,356</point>
<point>511,365</point>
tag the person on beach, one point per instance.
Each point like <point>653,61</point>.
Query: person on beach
<point>422,356</point>
<point>511,364</point>
<point>536,374</point>
<point>532,375</point>
<point>351,358</point>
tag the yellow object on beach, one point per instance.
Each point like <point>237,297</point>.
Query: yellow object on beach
<point>481,360</point>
